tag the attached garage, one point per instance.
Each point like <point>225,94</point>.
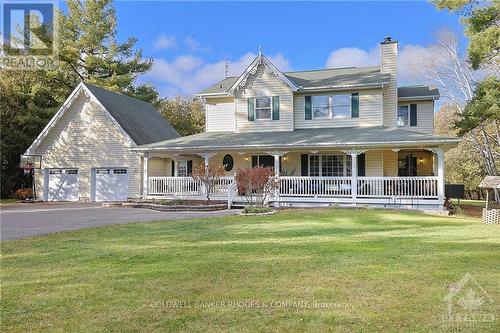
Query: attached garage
<point>86,147</point>
<point>62,185</point>
<point>109,184</point>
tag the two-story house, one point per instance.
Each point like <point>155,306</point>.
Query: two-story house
<point>333,136</point>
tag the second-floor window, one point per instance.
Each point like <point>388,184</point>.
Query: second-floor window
<point>263,108</point>
<point>336,106</point>
<point>403,115</point>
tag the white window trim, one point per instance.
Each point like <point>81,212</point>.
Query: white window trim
<point>409,115</point>
<point>331,109</point>
<point>344,165</point>
<point>255,108</point>
<point>182,164</point>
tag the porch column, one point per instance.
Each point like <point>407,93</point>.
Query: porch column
<point>145,175</point>
<point>354,172</point>
<point>439,153</point>
<point>206,159</point>
<point>440,165</point>
<point>175,169</point>
<point>277,155</point>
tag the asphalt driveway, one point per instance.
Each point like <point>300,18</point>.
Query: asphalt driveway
<point>26,220</point>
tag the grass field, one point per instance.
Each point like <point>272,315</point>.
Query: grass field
<point>298,270</point>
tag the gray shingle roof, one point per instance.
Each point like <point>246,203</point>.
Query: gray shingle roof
<point>410,92</point>
<point>338,77</point>
<point>303,138</point>
<point>220,87</point>
<point>313,79</point>
<point>139,119</point>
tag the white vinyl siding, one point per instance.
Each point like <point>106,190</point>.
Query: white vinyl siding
<point>389,63</point>
<point>370,112</point>
<point>264,81</point>
<point>425,116</point>
<point>85,138</point>
<point>220,114</point>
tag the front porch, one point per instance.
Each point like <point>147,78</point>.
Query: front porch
<point>405,178</point>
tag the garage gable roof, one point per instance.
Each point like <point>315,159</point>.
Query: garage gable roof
<point>138,120</point>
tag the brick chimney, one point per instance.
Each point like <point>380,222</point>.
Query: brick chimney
<point>389,65</point>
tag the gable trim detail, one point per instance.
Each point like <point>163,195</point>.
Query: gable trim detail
<point>252,69</point>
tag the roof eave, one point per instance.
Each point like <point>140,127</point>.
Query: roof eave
<point>419,98</point>
<point>340,87</point>
<point>380,144</point>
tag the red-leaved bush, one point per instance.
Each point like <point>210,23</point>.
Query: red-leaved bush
<point>24,193</point>
<point>256,184</point>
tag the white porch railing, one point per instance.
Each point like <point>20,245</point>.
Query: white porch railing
<point>185,186</point>
<point>403,187</point>
<point>335,187</point>
<point>174,186</point>
<point>315,186</point>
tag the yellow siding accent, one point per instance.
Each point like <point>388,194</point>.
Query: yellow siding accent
<point>85,137</point>
<point>220,114</point>
<point>264,81</point>
<point>390,163</point>
<point>370,111</point>
<point>374,163</point>
<point>160,167</point>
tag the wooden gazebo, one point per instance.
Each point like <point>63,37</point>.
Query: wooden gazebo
<point>490,216</point>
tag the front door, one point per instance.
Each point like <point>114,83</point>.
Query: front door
<point>407,166</point>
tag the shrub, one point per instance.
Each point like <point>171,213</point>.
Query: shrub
<point>256,184</point>
<point>209,176</point>
<point>256,210</point>
<point>24,193</point>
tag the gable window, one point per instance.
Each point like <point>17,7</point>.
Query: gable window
<point>403,115</point>
<point>263,108</point>
<point>341,106</point>
<point>321,107</point>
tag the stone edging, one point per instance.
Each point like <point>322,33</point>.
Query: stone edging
<point>256,214</point>
<point>165,208</point>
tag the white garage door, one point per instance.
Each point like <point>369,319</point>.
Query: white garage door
<point>63,185</point>
<point>111,184</point>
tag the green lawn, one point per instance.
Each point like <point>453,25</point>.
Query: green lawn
<point>371,270</point>
<point>8,201</point>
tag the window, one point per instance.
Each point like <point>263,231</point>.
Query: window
<point>321,107</point>
<point>266,161</point>
<point>330,165</point>
<point>314,165</point>
<point>55,172</point>
<point>263,108</point>
<point>120,171</point>
<point>71,172</point>
<point>182,170</point>
<point>341,106</point>
<point>403,115</point>
<point>336,106</point>
<point>102,171</point>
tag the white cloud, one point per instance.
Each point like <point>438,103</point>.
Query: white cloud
<point>164,42</point>
<point>188,74</point>
<point>193,45</point>
<point>353,56</point>
<point>408,57</point>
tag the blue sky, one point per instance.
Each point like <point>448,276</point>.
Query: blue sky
<point>189,40</point>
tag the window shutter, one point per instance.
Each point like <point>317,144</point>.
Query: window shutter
<point>276,108</point>
<point>361,165</point>
<point>172,169</point>
<point>308,108</point>
<point>355,105</point>
<point>251,109</point>
<point>189,167</point>
<point>413,114</point>
<point>304,165</point>
<point>254,161</point>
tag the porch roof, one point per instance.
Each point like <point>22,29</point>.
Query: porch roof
<point>342,138</point>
